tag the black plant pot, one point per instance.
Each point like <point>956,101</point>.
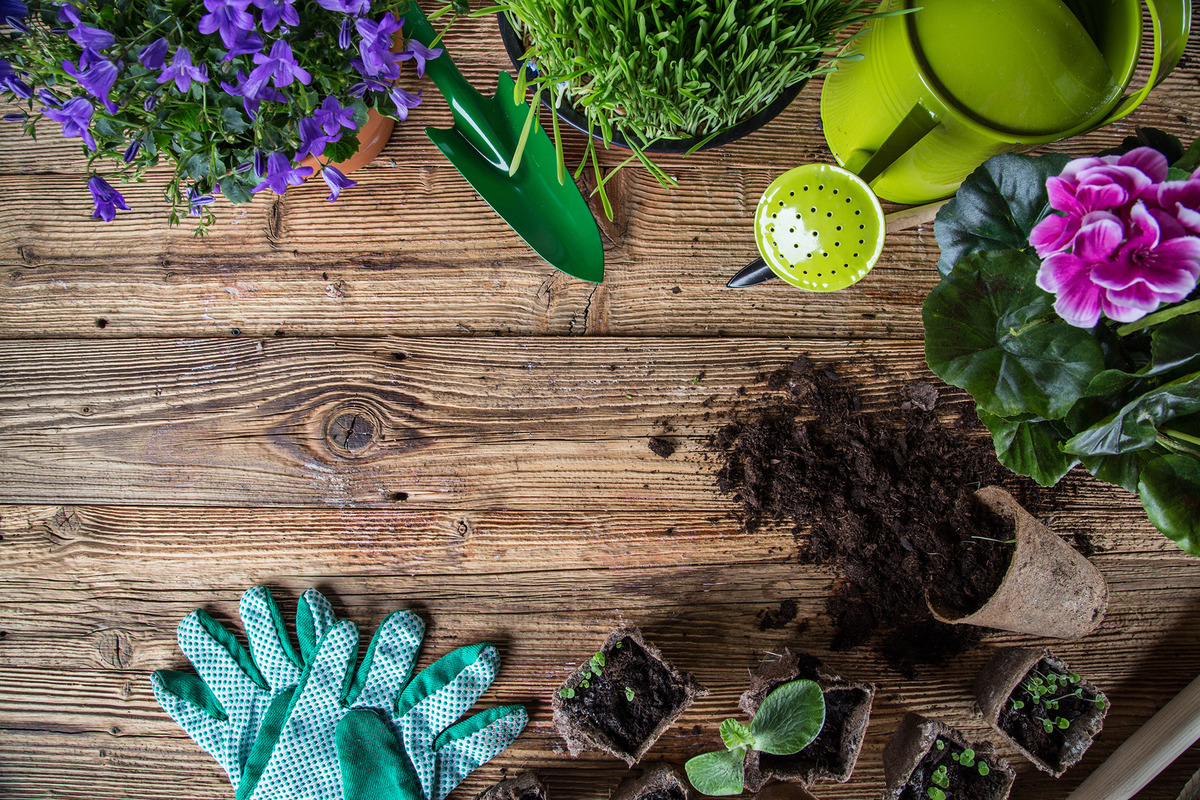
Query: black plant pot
<point>516,48</point>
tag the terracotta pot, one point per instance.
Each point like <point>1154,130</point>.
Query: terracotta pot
<point>372,138</point>
<point>1049,588</point>
<point>915,738</point>
<point>525,786</point>
<point>660,780</point>
<point>1001,677</point>
<point>673,693</point>
<point>806,767</point>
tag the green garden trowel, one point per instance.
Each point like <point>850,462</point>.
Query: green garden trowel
<point>552,217</point>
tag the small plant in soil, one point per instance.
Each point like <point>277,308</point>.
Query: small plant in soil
<point>788,720</point>
<point>941,778</point>
<point>928,760</point>
<point>622,698</point>
<point>1044,694</point>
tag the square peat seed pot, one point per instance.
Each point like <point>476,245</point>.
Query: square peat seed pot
<point>833,754</point>
<point>623,698</point>
<point>525,786</point>
<point>925,758</point>
<point>1034,700</point>
<point>660,781</point>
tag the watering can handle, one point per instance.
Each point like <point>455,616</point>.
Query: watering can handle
<point>1130,102</point>
<point>912,129</point>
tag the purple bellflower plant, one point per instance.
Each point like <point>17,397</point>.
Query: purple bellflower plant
<point>233,93</point>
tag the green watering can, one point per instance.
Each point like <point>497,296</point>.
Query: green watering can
<point>949,85</point>
<point>552,218</point>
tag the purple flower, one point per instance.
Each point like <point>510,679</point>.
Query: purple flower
<point>75,116</point>
<point>12,12</point>
<point>1182,199</point>
<point>281,174</point>
<point>260,164</point>
<point>131,151</point>
<point>421,54</point>
<point>336,181</point>
<point>106,198</point>
<point>252,96</point>
<point>275,10</point>
<point>353,7</point>
<point>150,103</point>
<point>376,58</point>
<point>154,55</point>
<point>280,66</point>
<point>67,12</point>
<point>182,72</point>
<point>331,116</point>
<point>197,201</point>
<point>226,17</point>
<point>1108,183</point>
<point>404,101</point>
<point>94,39</point>
<point>15,116</point>
<point>312,140</point>
<point>10,79</point>
<point>344,40</point>
<point>245,44</point>
<point>49,98</point>
<point>97,79</point>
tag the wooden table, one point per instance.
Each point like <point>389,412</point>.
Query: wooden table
<point>169,410</point>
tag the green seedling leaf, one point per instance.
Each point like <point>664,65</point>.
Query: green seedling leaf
<point>1135,426</point>
<point>990,330</point>
<point>939,744</point>
<point>1029,447</point>
<point>983,768</point>
<point>1063,723</point>
<point>720,773</point>
<point>996,207</point>
<point>1047,725</point>
<point>734,734</point>
<point>630,693</point>
<point>941,777</point>
<point>1169,488</point>
<point>789,718</point>
<point>934,793</point>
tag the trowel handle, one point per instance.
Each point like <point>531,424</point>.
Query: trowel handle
<point>1148,751</point>
<point>472,116</point>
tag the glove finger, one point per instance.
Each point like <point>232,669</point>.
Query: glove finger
<point>314,619</point>
<point>270,646</point>
<point>220,661</point>
<point>447,688</point>
<point>388,662</point>
<point>319,695</point>
<point>470,744</point>
<point>182,696</point>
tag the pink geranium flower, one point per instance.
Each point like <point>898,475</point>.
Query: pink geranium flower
<point>1123,245</point>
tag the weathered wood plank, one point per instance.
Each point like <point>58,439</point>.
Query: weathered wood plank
<point>468,423</point>
<point>93,594</point>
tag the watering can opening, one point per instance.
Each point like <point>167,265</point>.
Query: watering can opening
<point>1028,67</point>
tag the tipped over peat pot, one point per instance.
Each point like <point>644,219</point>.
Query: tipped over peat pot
<point>925,754</point>
<point>516,48</point>
<point>525,786</point>
<point>623,699</point>
<point>833,754</point>
<point>1049,589</point>
<point>660,781</point>
<point>1006,692</point>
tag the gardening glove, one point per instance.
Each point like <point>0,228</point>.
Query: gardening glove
<point>374,734</point>
<point>239,692</point>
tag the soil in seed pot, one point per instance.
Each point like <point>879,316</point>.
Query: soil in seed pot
<point>1025,724</point>
<point>885,497</point>
<point>669,793</point>
<point>606,704</point>
<point>965,782</point>
<point>825,752</point>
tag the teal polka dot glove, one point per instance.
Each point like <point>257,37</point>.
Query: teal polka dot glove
<point>236,690</point>
<point>373,734</point>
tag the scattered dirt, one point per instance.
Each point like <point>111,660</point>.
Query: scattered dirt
<point>661,447</point>
<point>885,498</point>
<point>774,619</point>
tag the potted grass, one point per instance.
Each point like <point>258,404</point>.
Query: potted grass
<point>1068,308</point>
<point>238,97</point>
<point>673,76</point>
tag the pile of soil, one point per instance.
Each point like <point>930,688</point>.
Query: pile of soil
<point>886,499</point>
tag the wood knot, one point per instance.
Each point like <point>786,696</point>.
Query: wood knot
<point>352,432</point>
<point>65,523</point>
<point>115,649</point>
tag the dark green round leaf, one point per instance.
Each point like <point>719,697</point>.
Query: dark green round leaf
<point>996,207</point>
<point>990,330</point>
<point>1169,488</point>
<point>789,718</point>
<point>1029,447</point>
<point>719,773</point>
